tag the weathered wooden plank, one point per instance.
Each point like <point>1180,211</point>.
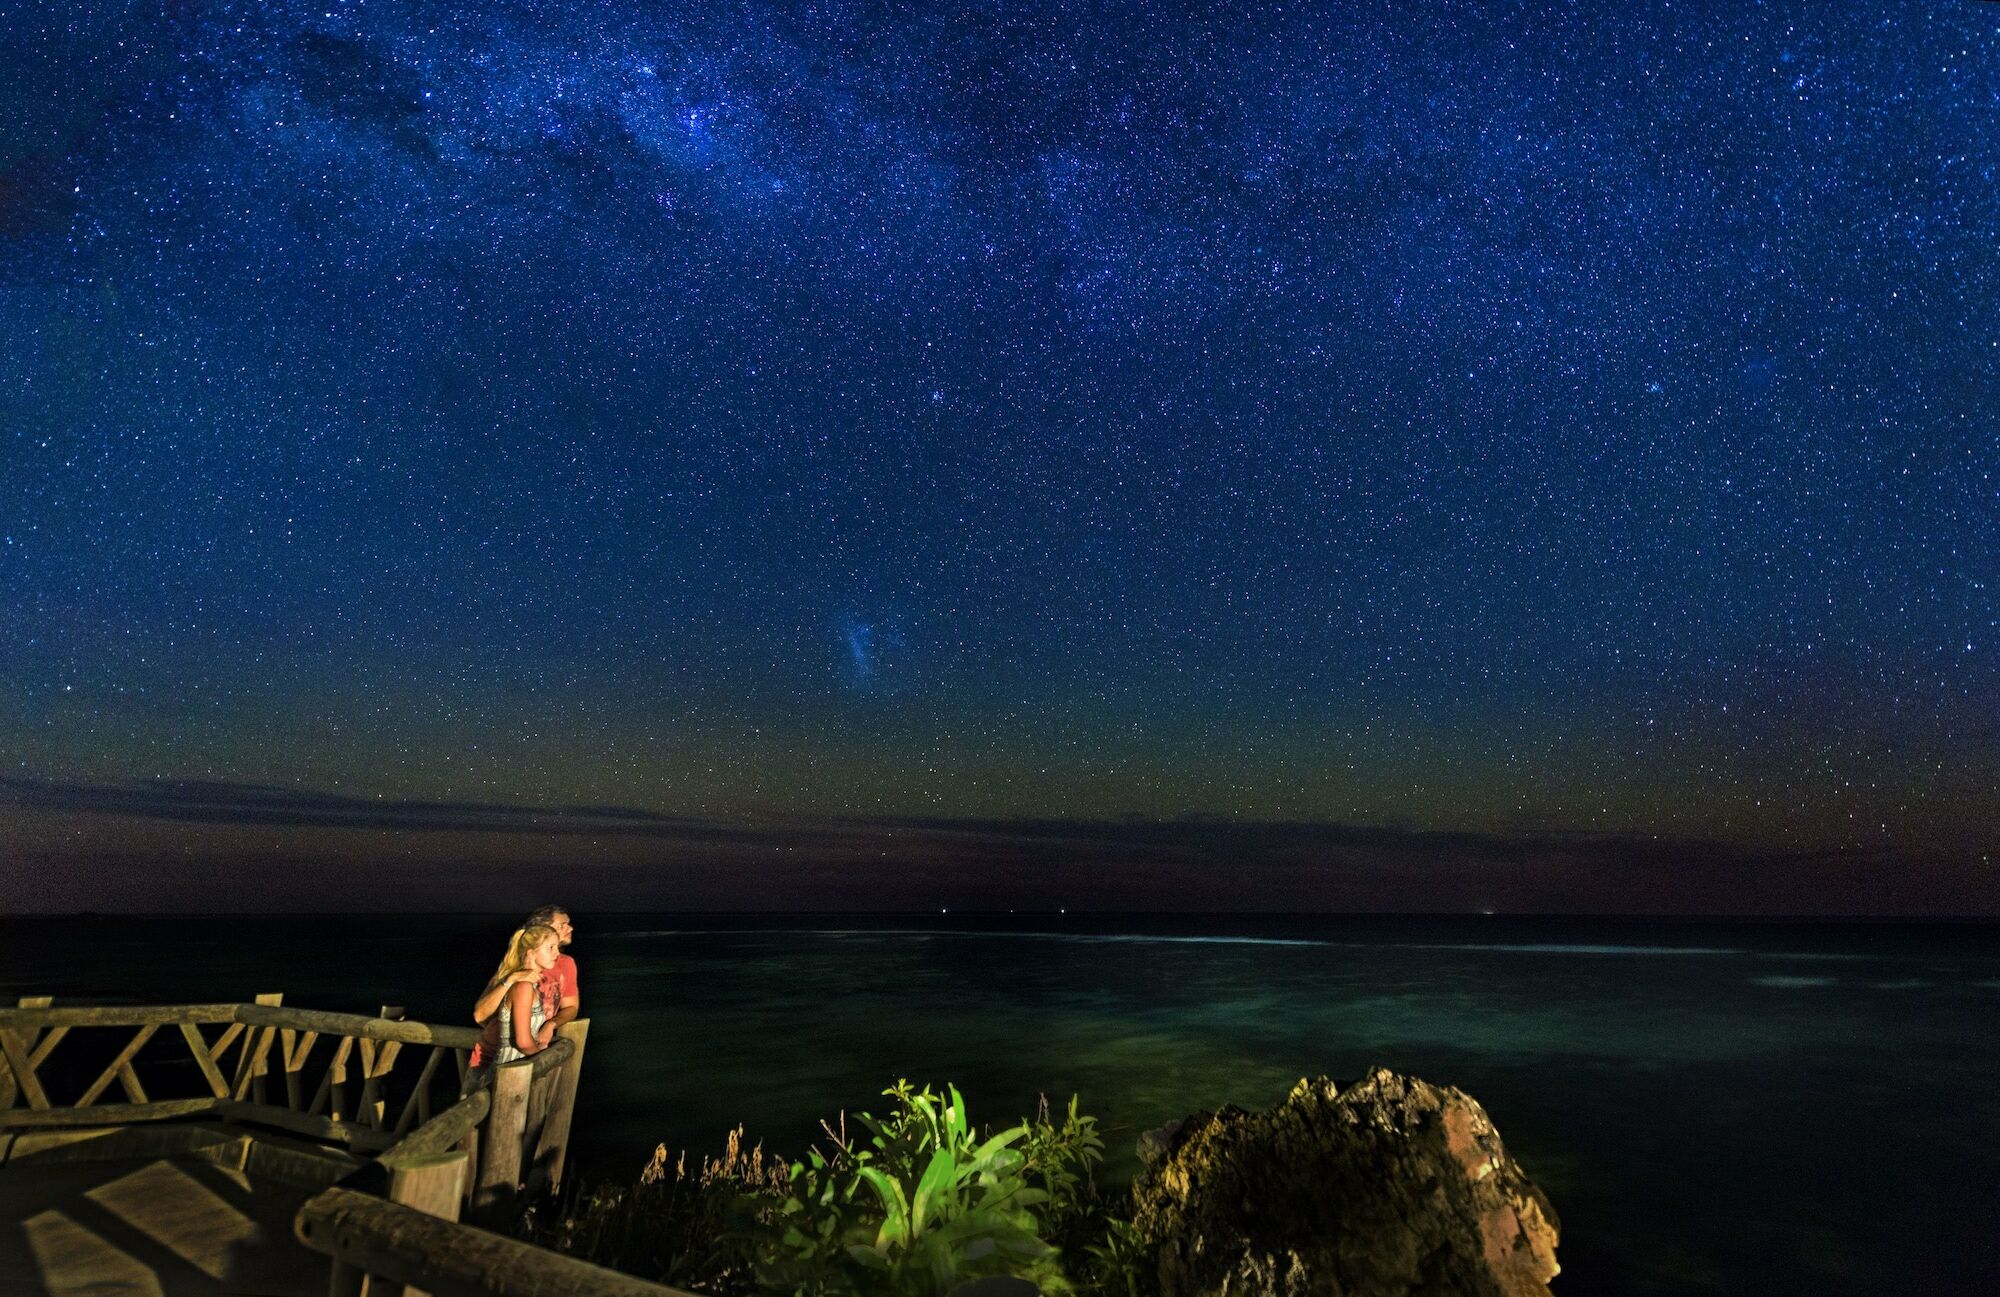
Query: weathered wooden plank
<point>541,1090</point>
<point>46,1045</point>
<point>552,1151</point>
<point>417,1108</point>
<point>32,1039</point>
<point>345,1132</point>
<point>336,1077</point>
<point>118,1065</point>
<point>12,1048</point>
<point>198,1045</point>
<point>471,1146</point>
<point>448,1259</point>
<point>128,1080</point>
<point>366,1048</point>
<point>105,1114</point>
<point>354,1024</point>
<point>250,1064</point>
<point>8,1088</point>
<point>371,1094</point>
<point>114,1015</point>
<point>500,1169</point>
<point>295,1061</point>
<point>221,1046</point>
<point>557,1054</point>
<point>433,1184</point>
<point>376,1063</point>
<point>448,1129</point>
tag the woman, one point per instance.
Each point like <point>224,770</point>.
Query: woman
<point>531,952</point>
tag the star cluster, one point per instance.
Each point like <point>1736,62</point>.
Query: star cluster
<point>1498,415</point>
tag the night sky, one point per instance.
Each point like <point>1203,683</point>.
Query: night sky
<point>1525,421</point>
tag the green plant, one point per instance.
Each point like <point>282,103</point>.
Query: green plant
<point>941,1205</point>
<point>675,1224</point>
<point>913,1203</point>
<point>1117,1265</point>
<point>1063,1157</point>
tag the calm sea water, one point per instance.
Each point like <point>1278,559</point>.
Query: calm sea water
<point>1713,1108</point>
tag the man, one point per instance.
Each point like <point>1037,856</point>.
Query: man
<point>557,988</point>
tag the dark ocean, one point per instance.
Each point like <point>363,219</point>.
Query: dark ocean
<point>1713,1107</point>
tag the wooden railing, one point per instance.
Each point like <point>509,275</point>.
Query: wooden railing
<point>329,1076</point>
<point>398,1221</point>
<point>395,1223</point>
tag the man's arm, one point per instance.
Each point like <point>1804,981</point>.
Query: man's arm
<point>566,1013</point>
<point>489,1004</point>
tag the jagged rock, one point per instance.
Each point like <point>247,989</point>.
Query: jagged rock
<point>1392,1187</point>
<point>1155,1144</point>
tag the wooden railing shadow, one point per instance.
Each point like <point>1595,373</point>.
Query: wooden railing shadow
<point>445,1173</point>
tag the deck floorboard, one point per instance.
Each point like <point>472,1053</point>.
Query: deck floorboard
<point>166,1227</point>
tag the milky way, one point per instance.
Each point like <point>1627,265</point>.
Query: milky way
<point>1486,416</point>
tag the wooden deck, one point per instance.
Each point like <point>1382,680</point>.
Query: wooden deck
<point>181,1208</point>
<point>228,1171</point>
<point>180,1226</point>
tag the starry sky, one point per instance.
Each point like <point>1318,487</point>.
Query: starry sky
<point>1525,420</point>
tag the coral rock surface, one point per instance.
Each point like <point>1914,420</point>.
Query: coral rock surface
<point>1392,1187</point>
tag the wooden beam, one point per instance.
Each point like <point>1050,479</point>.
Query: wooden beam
<point>114,1015</point>
<point>366,1048</point>
<point>295,1061</point>
<point>104,1114</point>
<point>448,1128</point>
<point>417,1108</point>
<point>128,1078</point>
<point>254,1065</point>
<point>46,1045</point>
<point>433,1184</point>
<point>494,1200</point>
<point>324,1128</point>
<point>11,1047</point>
<point>354,1024</point>
<point>449,1259</point>
<point>250,1064</point>
<point>118,1065</point>
<point>553,1149</point>
<point>8,1088</point>
<point>336,1075</point>
<point>209,1072</point>
<point>221,1047</point>
<point>375,1065</point>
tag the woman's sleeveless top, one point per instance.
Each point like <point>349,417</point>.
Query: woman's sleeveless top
<point>508,1052</point>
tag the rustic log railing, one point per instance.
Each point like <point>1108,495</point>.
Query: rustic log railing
<point>333,1070</point>
<point>395,1223</point>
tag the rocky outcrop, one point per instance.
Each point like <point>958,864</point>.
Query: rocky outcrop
<point>1392,1187</point>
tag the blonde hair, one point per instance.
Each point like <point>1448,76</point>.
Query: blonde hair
<point>518,947</point>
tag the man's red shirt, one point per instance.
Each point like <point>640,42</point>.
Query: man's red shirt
<point>554,986</point>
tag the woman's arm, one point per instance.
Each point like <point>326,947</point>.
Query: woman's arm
<point>521,1000</point>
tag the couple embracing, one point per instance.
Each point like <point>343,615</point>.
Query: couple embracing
<point>533,993</point>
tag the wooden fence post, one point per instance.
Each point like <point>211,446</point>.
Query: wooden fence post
<point>346,1281</point>
<point>254,1062</point>
<point>8,1084</point>
<point>470,1147</point>
<point>428,1182</point>
<point>553,1148</point>
<point>432,1183</point>
<point>500,1164</point>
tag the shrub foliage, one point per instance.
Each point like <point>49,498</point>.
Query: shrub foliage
<point>909,1204</point>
